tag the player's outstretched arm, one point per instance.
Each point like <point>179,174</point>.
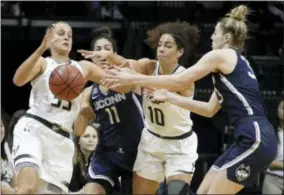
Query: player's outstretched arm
<point>86,113</point>
<point>143,65</point>
<point>35,64</point>
<point>94,73</point>
<point>214,61</point>
<point>207,109</point>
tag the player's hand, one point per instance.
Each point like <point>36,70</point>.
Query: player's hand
<point>48,39</point>
<point>161,95</point>
<point>118,77</point>
<point>108,66</point>
<point>98,57</point>
<point>87,112</point>
<point>88,54</point>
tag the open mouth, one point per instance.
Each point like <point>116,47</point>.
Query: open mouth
<point>66,44</point>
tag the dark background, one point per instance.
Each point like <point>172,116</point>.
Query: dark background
<point>23,25</point>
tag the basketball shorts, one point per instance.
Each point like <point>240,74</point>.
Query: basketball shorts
<point>160,158</point>
<point>253,151</point>
<point>102,168</point>
<point>38,146</point>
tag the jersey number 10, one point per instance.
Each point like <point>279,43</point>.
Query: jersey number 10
<point>157,116</point>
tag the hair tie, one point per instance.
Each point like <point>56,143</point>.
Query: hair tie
<point>232,16</point>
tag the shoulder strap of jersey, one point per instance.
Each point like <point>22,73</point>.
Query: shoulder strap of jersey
<point>77,64</point>
<point>178,69</point>
<point>49,60</point>
<point>156,71</point>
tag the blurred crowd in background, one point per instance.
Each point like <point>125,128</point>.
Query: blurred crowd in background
<point>264,50</point>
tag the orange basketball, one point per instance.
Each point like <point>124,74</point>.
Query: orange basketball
<point>66,82</point>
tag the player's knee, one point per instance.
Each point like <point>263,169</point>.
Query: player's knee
<point>98,186</point>
<point>178,187</point>
<point>27,186</point>
<point>26,189</point>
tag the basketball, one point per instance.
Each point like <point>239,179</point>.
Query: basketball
<point>66,82</point>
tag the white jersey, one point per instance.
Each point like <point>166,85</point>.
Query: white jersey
<point>44,104</point>
<point>166,119</point>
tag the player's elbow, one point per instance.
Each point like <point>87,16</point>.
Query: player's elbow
<point>208,114</point>
<point>18,82</point>
<point>80,124</point>
<point>78,129</point>
<point>78,133</point>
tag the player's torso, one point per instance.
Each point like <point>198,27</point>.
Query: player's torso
<point>164,118</point>
<point>238,92</point>
<point>44,104</point>
<point>120,116</point>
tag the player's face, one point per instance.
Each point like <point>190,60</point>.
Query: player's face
<point>167,51</point>
<point>2,131</point>
<point>218,39</point>
<point>280,111</point>
<point>104,48</point>
<point>88,141</point>
<point>63,44</point>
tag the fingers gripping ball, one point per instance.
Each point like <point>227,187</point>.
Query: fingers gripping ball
<point>66,82</point>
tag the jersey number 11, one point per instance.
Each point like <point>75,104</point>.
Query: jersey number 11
<point>113,115</point>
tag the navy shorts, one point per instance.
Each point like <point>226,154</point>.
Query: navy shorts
<point>104,171</point>
<point>254,149</point>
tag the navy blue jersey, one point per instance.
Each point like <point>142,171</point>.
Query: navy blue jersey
<point>238,92</point>
<point>121,119</point>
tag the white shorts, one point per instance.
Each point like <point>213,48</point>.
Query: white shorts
<point>37,145</point>
<point>159,158</point>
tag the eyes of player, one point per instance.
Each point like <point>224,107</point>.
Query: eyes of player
<point>62,33</point>
<point>106,47</point>
<point>167,44</point>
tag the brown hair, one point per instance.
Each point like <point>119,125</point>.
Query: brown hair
<point>103,32</point>
<point>186,36</point>
<point>52,25</point>
<point>235,23</point>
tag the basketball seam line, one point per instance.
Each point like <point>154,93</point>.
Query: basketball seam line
<point>67,83</point>
<point>56,84</point>
<point>71,83</point>
<point>63,82</point>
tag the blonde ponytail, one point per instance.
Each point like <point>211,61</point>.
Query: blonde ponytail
<point>234,23</point>
<point>239,13</point>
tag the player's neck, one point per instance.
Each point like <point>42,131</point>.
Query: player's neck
<point>226,46</point>
<point>60,58</point>
<point>167,69</point>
